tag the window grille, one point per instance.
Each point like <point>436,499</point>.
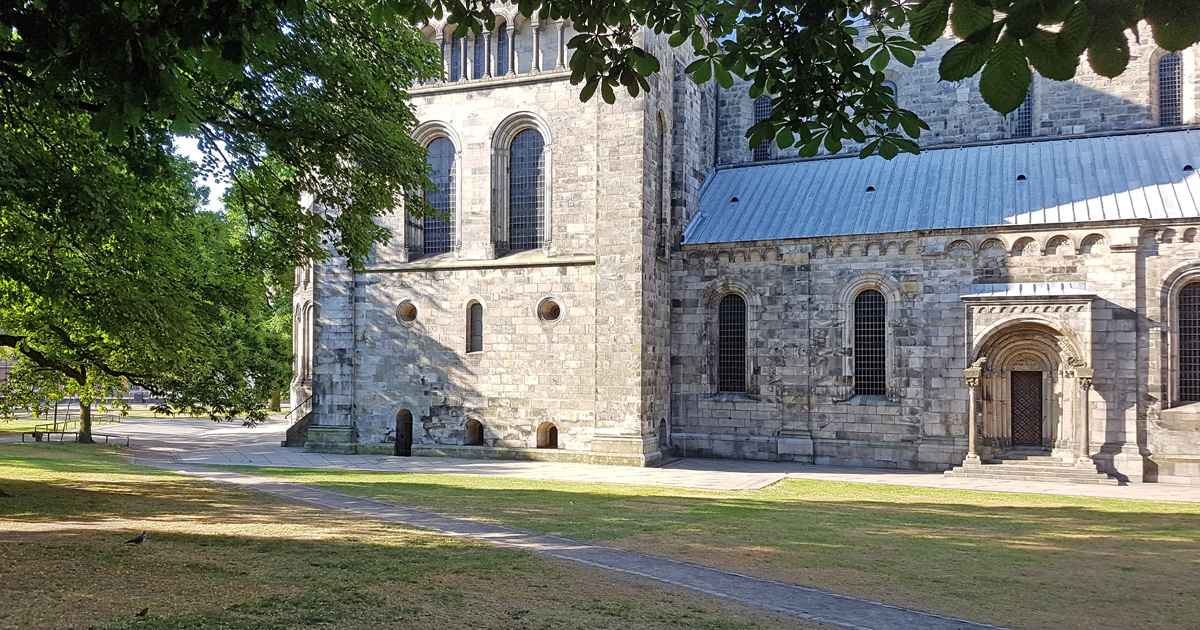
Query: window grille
<point>1189,343</point>
<point>479,61</point>
<point>731,344</point>
<point>1020,122</point>
<point>526,184</point>
<point>502,51</point>
<point>762,110</point>
<point>1170,90</point>
<point>661,241</point>
<point>475,328</point>
<point>456,44</point>
<point>870,351</point>
<point>438,231</point>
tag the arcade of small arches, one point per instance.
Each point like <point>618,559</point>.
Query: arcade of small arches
<point>514,45</point>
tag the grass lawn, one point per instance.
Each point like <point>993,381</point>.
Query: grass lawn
<point>19,425</point>
<point>1022,560</point>
<point>227,558</point>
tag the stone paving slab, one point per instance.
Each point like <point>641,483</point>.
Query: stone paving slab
<point>790,599</point>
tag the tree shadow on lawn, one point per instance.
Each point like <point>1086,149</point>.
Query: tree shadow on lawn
<point>1025,560</point>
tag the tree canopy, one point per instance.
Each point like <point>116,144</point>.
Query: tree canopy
<point>109,273</point>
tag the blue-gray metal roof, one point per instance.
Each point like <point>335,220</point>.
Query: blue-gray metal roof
<point>1120,177</point>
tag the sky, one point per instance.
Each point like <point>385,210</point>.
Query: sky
<point>189,148</point>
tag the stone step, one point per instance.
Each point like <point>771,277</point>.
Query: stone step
<point>1069,473</point>
<point>1054,474</point>
<point>1030,477</point>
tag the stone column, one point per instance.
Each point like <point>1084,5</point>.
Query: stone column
<point>537,46</point>
<point>1084,376</point>
<point>489,59</point>
<point>972,375</point>
<point>441,43</point>
<point>464,72</point>
<point>512,48</point>
<point>561,60</point>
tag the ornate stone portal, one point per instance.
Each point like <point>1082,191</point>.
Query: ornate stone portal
<point>1030,376</point>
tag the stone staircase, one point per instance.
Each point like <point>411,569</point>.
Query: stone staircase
<point>1031,466</point>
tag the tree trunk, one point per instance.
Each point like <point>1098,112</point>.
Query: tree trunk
<point>274,406</point>
<point>85,423</point>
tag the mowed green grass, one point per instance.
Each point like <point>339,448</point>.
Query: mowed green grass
<point>220,557</point>
<point>1021,560</point>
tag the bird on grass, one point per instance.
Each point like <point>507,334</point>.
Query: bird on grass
<point>137,541</point>
<point>143,612</point>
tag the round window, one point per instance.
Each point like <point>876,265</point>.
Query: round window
<point>406,313</point>
<point>549,310</point>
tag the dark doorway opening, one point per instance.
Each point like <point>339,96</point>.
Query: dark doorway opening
<point>547,436</point>
<point>474,433</point>
<point>404,433</point>
<point>1027,409</point>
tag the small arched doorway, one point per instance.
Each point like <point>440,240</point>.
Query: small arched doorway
<point>473,435</point>
<point>547,435</point>
<point>404,433</point>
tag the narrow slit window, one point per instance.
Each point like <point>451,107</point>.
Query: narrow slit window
<point>1170,90</point>
<point>870,350</point>
<point>475,327</point>
<point>762,111</point>
<point>526,191</point>
<point>731,344</point>
<point>1189,343</point>
<point>502,51</point>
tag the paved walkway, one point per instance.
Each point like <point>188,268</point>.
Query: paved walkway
<point>206,443</point>
<point>789,599</point>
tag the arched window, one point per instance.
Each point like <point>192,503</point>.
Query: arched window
<point>663,195</point>
<point>502,50</point>
<point>475,327</point>
<point>731,344</point>
<point>762,110</point>
<point>870,344</point>
<point>1170,90</point>
<point>435,234</point>
<point>526,191</point>
<point>456,44</point>
<point>891,85</point>
<point>1189,343</point>
<point>479,60</point>
<point>1020,122</point>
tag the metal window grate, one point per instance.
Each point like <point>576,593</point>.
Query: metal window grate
<point>475,328</point>
<point>661,242</point>
<point>479,61</point>
<point>1189,343</point>
<point>526,183</point>
<point>870,344</point>
<point>762,110</point>
<point>502,51</point>
<point>1020,122</point>
<point>1170,90</point>
<point>438,231</point>
<point>456,44</point>
<point>731,344</point>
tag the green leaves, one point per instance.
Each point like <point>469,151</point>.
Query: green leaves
<point>964,60</point>
<point>928,20</point>
<point>1005,80</point>
<point>1176,23</point>
<point>1108,53</point>
<point>970,16</point>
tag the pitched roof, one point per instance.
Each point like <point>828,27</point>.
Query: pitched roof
<point>1135,176</point>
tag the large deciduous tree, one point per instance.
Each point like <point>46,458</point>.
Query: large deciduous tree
<point>109,273</point>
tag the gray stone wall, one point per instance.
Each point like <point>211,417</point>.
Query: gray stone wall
<point>801,381</point>
<point>957,114</point>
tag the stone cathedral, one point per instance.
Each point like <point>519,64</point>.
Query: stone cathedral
<point>623,283</point>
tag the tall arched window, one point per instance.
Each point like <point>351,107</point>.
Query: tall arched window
<point>663,194</point>
<point>435,234</point>
<point>731,344</point>
<point>1020,122</point>
<point>1189,343</point>
<point>456,44</point>
<point>526,191</point>
<point>870,344</point>
<point>1170,90</point>
<point>475,327</point>
<point>479,60</point>
<point>762,110</point>
<point>502,50</point>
